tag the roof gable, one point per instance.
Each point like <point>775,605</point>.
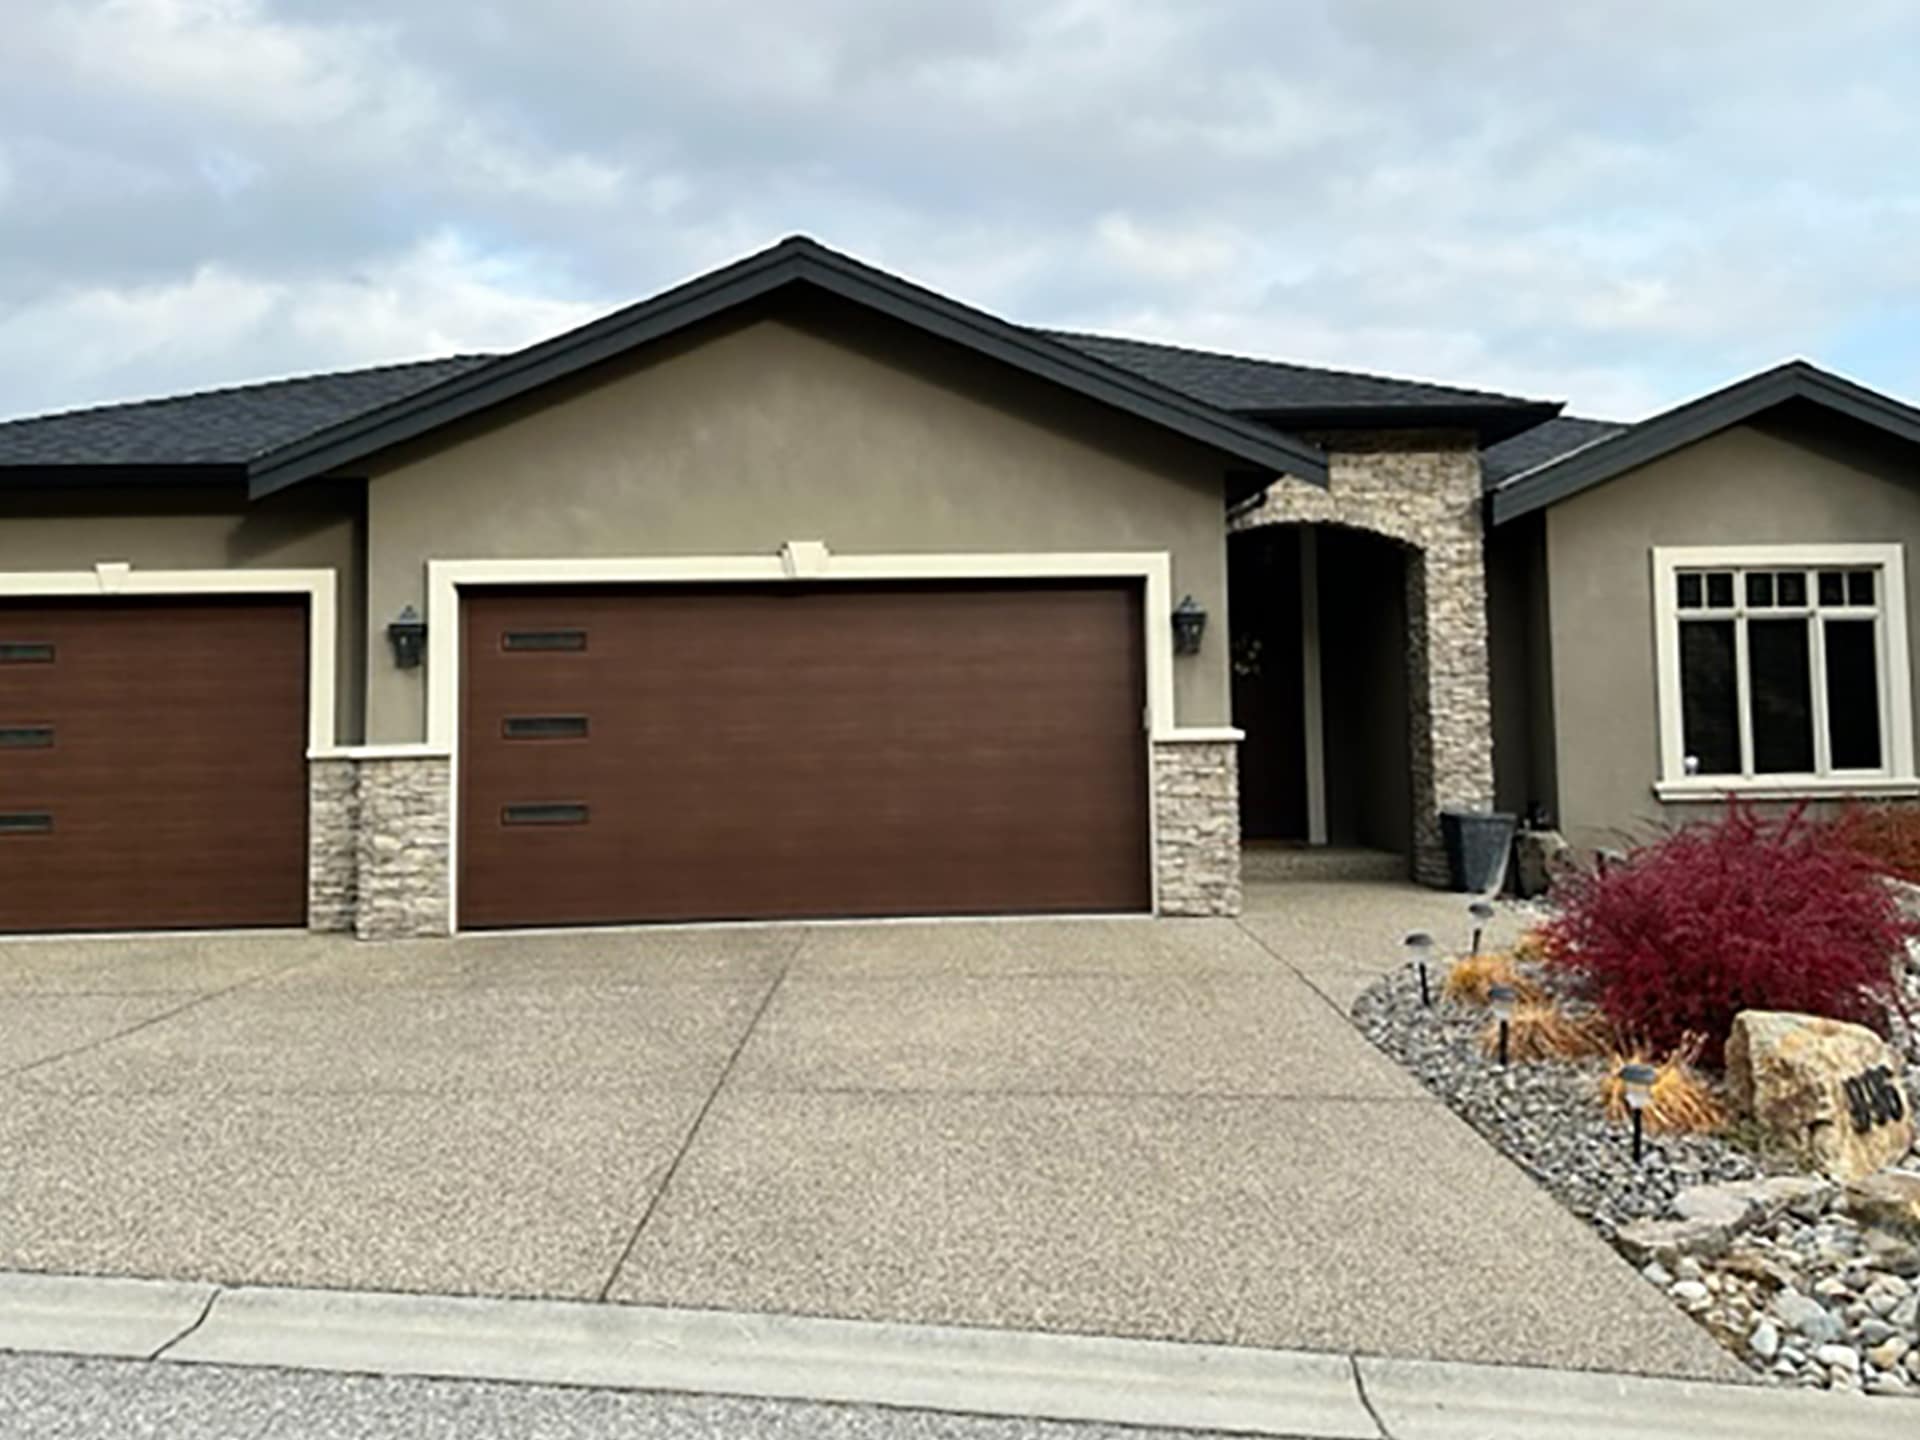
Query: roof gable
<point>796,261</point>
<point>1608,455</point>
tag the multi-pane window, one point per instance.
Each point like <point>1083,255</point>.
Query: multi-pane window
<point>1782,667</point>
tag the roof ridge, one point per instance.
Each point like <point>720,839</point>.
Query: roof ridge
<point>476,356</point>
<point>1377,376</point>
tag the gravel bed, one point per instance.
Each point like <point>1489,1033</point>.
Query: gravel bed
<point>1543,1114</point>
<point>1802,1293</point>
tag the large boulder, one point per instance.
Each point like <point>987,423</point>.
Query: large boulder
<point>1826,1092</point>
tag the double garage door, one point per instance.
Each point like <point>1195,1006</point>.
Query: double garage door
<point>707,753</point>
<point>646,754</point>
<point>152,763</point>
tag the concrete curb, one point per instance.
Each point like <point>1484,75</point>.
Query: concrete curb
<point>940,1368</point>
<point>982,1372</point>
<point>1442,1400</point>
<point>82,1315</point>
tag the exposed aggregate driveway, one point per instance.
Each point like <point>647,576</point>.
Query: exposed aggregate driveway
<point>1164,1129</point>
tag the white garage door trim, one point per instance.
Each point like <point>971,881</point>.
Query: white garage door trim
<point>113,578</point>
<point>798,560</point>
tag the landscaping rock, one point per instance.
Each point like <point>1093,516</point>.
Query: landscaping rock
<point>1764,1342</point>
<point>1666,1241</point>
<point>1730,1206</point>
<point>1807,1317</point>
<point>1789,1071</point>
<point>1889,1200</point>
<point>1838,1357</point>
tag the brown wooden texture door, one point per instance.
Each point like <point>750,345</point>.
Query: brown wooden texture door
<point>706,753</point>
<point>152,763</point>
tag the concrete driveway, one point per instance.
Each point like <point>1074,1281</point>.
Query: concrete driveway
<point>1162,1129</point>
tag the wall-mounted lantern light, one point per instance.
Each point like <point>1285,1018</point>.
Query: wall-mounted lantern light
<point>1189,624</point>
<point>407,634</point>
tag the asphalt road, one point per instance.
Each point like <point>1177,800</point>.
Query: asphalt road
<point>56,1398</point>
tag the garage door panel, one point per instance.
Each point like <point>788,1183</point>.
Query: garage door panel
<point>783,752</point>
<point>175,782</point>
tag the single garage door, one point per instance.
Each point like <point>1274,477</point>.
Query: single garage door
<point>705,753</point>
<point>152,763</point>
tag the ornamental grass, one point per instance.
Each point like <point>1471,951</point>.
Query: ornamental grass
<point>1683,1101</point>
<point>1471,977</point>
<point>1542,1030</point>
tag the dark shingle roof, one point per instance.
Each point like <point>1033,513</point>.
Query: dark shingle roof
<point>1245,384</point>
<point>1557,437</point>
<point>216,427</point>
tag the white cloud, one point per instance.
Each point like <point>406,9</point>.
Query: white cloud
<point>1619,203</point>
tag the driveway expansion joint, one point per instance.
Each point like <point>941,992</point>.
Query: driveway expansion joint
<point>699,1119</point>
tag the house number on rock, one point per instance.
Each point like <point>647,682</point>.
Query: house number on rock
<point>1873,1099</point>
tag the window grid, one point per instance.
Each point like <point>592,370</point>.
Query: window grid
<point>1742,593</point>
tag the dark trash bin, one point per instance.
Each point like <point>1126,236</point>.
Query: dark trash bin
<point>1478,843</point>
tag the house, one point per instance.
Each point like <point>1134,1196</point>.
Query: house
<point>801,591</point>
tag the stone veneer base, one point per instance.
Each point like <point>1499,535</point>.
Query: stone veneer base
<point>1196,799</point>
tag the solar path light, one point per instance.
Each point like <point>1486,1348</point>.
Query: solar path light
<point>1637,1079</point>
<point>1502,997</point>
<point>1482,913</point>
<point>1420,949</point>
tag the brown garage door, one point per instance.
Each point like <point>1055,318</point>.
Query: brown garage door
<point>706,753</point>
<point>152,763</point>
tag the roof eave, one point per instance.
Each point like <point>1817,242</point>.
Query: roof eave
<point>1590,465</point>
<point>791,262</point>
<point>1490,424</point>
<point>43,476</point>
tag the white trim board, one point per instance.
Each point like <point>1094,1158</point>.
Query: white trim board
<point>115,579</point>
<point>1895,777</point>
<point>807,562</point>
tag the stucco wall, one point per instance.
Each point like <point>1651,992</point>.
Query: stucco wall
<point>202,528</point>
<point>797,428</point>
<point>1777,483</point>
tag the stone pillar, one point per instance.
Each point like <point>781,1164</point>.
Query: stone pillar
<point>1449,686</point>
<point>1196,798</point>
<point>333,844</point>
<point>404,849</point>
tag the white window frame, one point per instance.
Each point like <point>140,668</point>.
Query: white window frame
<point>1894,778</point>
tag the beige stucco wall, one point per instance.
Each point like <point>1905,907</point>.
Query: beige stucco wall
<point>202,528</point>
<point>1775,483</point>
<point>788,429</point>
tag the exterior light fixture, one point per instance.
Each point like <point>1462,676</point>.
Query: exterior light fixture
<point>1502,998</point>
<point>1189,624</point>
<point>407,634</point>
<point>1637,1078</point>
<point>1482,913</point>
<point>1420,947</point>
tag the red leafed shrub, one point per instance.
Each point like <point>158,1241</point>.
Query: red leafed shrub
<point>1888,836</point>
<point>1736,915</point>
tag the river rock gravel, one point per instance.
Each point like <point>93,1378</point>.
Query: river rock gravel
<point>1779,1272</point>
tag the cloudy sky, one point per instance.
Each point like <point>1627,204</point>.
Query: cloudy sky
<point>1615,202</point>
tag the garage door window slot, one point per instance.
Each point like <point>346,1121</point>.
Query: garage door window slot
<point>26,652</point>
<point>544,727</point>
<point>26,822</point>
<point>543,640</point>
<point>25,737</point>
<point>543,814</point>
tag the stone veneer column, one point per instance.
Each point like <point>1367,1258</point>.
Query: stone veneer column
<point>333,844</point>
<point>1196,798</point>
<point>403,847</point>
<point>1422,490</point>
